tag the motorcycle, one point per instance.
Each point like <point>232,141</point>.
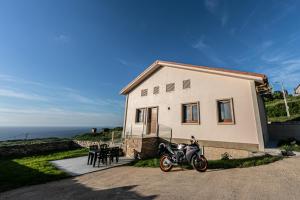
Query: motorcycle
<point>179,154</point>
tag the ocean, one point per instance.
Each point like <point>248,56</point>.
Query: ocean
<point>13,133</point>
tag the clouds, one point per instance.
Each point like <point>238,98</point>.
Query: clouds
<point>21,95</point>
<point>202,45</point>
<point>62,38</point>
<point>56,117</point>
<point>40,104</point>
<point>218,9</point>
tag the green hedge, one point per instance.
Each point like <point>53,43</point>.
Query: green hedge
<point>278,110</point>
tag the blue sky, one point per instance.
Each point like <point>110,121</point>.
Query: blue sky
<point>63,63</point>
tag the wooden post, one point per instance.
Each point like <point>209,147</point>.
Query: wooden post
<point>112,137</point>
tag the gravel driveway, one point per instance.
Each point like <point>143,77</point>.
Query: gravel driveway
<point>279,180</point>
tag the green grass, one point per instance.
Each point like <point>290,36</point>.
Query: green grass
<point>242,163</point>
<point>217,164</point>
<point>103,136</point>
<point>32,141</point>
<point>295,117</point>
<point>23,171</point>
<point>276,109</point>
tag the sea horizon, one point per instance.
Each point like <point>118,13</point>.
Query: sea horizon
<point>33,132</point>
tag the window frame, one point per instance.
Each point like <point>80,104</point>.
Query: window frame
<point>198,113</point>
<point>231,110</point>
<point>143,115</point>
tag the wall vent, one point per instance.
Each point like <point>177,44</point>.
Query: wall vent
<point>144,92</point>
<point>170,87</point>
<point>156,90</point>
<point>186,84</point>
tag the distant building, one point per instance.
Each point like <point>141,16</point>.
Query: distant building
<point>297,90</point>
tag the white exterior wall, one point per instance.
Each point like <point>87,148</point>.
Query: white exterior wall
<point>297,91</point>
<point>205,88</point>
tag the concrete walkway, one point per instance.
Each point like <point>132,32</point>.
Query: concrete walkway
<point>278,180</point>
<point>78,166</point>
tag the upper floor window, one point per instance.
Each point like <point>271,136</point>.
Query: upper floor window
<point>144,92</point>
<point>170,87</point>
<point>225,111</point>
<point>190,113</point>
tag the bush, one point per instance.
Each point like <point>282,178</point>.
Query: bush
<point>278,109</point>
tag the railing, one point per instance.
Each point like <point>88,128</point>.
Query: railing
<point>163,131</point>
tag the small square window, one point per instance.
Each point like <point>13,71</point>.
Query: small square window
<point>186,84</point>
<point>170,87</point>
<point>225,111</point>
<point>190,113</point>
<point>156,90</point>
<point>144,92</point>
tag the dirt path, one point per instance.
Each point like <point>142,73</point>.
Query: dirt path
<point>279,180</point>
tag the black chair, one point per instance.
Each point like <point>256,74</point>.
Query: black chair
<point>114,153</point>
<point>93,149</point>
<point>102,155</point>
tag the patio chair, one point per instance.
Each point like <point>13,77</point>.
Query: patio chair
<point>114,152</point>
<point>93,149</point>
<point>102,155</point>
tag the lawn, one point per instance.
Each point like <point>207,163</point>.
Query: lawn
<point>23,171</point>
<point>218,164</point>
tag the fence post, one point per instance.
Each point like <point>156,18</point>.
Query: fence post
<point>112,137</point>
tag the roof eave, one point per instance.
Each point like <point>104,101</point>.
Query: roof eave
<point>260,78</point>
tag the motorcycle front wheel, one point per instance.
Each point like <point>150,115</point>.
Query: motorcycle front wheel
<point>199,163</point>
<point>165,163</point>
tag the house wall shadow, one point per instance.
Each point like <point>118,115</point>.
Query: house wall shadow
<point>68,188</point>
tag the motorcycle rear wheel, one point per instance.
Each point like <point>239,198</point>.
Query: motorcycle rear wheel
<point>199,163</point>
<point>163,164</point>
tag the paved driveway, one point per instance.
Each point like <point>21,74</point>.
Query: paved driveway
<point>279,180</point>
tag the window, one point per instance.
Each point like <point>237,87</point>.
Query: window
<point>190,113</point>
<point>156,90</point>
<point>170,87</point>
<point>144,92</point>
<point>139,117</point>
<point>225,111</point>
<point>186,84</point>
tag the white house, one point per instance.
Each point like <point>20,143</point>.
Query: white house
<point>297,90</point>
<point>222,108</point>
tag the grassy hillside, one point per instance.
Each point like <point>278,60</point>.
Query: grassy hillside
<point>104,135</point>
<point>276,109</point>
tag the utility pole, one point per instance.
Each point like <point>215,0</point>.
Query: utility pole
<point>285,101</point>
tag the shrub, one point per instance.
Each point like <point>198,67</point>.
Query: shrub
<point>278,109</point>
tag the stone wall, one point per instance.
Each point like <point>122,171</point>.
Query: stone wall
<point>31,149</point>
<point>148,147</point>
<point>84,143</point>
<point>133,147</point>
<point>141,148</point>
<point>215,153</point>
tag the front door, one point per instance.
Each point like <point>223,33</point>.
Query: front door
<point>152,120</point>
